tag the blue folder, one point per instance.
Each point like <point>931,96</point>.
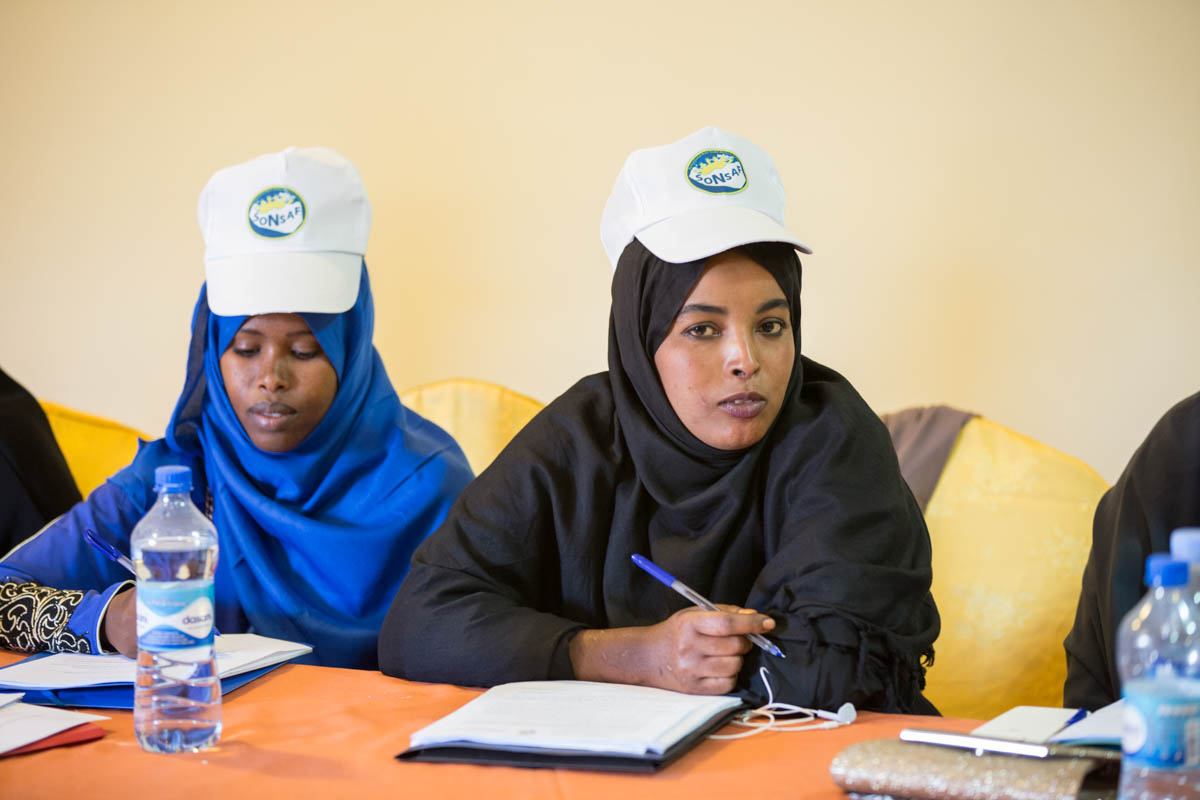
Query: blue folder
<point>110,695</point>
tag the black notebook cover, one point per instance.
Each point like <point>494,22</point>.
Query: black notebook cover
<point>506,756</point>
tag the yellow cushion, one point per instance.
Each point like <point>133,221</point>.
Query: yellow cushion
<point>1011,525</point>
<point>481,416</point>
<point>93,446</point>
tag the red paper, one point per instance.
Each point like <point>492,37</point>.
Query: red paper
<point>84,732</point>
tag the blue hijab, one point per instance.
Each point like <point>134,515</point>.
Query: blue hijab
<point>315,541</point>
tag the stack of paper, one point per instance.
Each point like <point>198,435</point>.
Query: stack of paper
<point>25,727</point>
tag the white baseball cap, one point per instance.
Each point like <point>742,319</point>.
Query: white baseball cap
<point>285,232</point>
<point>696,197</point>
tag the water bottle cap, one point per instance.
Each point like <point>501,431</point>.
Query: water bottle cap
<point>173,479</point>
<point>1185,545</point>
<point>1162,570</point>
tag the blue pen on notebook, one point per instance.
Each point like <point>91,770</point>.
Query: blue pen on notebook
<point>696,598</point>
<point>1077,716</point>
<point>108,551</point>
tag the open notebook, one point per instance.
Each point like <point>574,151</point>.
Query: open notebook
<point>1101,728</point>
<point>1039,724</point>
<point>576,724</point>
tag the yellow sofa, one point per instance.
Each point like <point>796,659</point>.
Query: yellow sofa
<point>1011,524</point>
<point>93,446</point>
<point>1010,521</point>
<point>481,416</point>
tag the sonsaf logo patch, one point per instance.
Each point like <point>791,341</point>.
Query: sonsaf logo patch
<point>717,171</point>
<point>276,212</point>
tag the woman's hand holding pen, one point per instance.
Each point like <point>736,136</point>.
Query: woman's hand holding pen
<point>701,651</point>
<point>120,623</point>
<point>693,650</point>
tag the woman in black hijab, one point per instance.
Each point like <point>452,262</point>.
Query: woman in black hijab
<point>756,476</point>
<point>1158,492</point>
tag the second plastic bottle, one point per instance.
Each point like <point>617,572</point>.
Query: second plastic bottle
<point>1158,657</point>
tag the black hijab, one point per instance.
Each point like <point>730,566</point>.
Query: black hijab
<point>813,525</point>
<point>826,459</point>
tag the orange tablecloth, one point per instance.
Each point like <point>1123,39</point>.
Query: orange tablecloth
<point>304,731</point>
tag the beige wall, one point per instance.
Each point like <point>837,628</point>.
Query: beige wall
<point>1003,197</point>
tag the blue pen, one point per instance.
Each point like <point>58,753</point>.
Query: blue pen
<point>698,599</point>
<point>1078,715</point>
<point>108,551</point>
<point>113,554</point>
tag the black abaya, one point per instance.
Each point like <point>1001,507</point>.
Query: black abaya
<point>812,525</point>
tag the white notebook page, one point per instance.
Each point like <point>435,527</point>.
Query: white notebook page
<point>576,715</point>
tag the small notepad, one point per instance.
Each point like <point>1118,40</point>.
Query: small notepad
<point>1034,724</point>
<point>1100,728</point>
<point>1039,724</point>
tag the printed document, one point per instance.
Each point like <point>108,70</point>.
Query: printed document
<point>22,724</point>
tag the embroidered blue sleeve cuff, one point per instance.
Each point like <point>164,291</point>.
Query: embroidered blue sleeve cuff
<point>89,616</point>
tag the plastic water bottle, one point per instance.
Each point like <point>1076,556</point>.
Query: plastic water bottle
<point>1158,656</point>
<point>177,695</point>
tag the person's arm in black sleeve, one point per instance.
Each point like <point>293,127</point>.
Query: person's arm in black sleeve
<point>847,576</point>
<point>508,589</point>
<point>1112,583</point>
<point>834,655</point>
<point>1154,495</point>
<point>469,610</point>
<point>35,482</point>
<point>20,517</point>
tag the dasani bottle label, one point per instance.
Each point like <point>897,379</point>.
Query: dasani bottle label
<point>174,615</point>
<point>1162,724</point>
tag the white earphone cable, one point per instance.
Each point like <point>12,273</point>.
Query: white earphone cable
<point>766,716</point>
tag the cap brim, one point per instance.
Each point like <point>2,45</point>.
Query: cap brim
<point>708,231</point>
<point>270,283</point>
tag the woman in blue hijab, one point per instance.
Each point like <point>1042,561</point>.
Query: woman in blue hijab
<point>319,482</point>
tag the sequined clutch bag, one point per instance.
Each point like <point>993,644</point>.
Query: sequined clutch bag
<point>890,767</point>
